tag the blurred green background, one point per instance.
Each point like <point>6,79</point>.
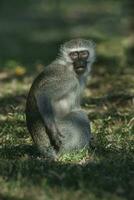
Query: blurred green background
<point>31,31</point>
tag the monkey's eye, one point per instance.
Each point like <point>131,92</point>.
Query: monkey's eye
<point>74,55</point>
<point>83,54</point>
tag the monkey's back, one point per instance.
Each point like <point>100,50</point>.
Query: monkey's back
<point>53,80</point>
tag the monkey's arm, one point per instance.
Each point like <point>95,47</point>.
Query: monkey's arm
<point>52,86</point>
<point>45,108</point>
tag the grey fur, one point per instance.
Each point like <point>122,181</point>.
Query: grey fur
<point>54,117</point>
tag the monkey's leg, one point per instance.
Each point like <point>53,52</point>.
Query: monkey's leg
<point>46,111</point>
<point>40,138</point>
<point>76,130</point>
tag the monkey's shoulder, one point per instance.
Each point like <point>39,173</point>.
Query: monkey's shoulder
<point>53,74</point>
<point>57,69</point>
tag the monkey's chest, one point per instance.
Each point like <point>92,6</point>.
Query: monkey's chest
<point>66,104</point>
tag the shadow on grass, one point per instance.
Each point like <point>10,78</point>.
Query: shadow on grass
<point>12,102</point>
<point>7,197</point>
<point>112,173</point>
<point>18,151</point>
<point>118,98</point>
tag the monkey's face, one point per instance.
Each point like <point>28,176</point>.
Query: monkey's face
<point>79,60</point>
<point>79,54</point>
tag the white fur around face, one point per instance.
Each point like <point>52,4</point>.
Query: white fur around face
<point>67,58</point>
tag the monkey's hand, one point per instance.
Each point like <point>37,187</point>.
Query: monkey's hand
<point>54,134</point>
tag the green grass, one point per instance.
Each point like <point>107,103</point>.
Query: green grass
<point>103,172</point>
<point>106,170</point>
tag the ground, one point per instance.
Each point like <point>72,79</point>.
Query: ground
<point>106,170</point>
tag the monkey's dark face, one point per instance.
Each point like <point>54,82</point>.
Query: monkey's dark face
<point>80,60</point>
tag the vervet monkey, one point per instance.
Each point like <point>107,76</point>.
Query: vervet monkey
<point>54,116</point>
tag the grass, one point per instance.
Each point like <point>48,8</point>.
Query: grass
<point>103,172</point>
<point>106,170</point>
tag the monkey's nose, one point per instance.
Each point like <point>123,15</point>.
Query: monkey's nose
<point>80,64</point>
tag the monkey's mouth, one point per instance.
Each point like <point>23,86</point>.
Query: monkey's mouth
<point>80,67</point>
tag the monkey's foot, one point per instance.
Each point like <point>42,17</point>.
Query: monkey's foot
<point>48,153</point>
<point>57,140</point>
